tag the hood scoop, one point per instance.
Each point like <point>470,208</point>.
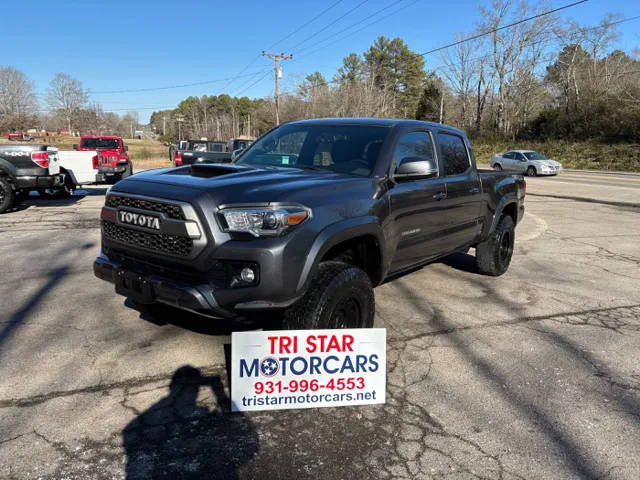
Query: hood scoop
<point>210,170</point>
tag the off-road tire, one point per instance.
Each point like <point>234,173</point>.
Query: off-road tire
<point>127,172</point>
<point>493,256</point>
<point>340,296</point>
<point>7,195</point>
<point>532,172</point>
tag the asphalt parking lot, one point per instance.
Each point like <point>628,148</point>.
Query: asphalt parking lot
<point>534,374</point>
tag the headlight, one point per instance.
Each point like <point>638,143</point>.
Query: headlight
<point>263,221</point>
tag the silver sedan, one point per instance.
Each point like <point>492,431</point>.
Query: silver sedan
<point>526,161</point>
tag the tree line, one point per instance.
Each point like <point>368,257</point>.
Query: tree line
<point>67,107</point>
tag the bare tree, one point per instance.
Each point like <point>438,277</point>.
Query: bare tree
<point>516,51</point>
<point>17,100</point>
<point>66,96</point>
<point>461,71</point>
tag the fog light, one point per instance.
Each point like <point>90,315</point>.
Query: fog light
<point>247,275</point>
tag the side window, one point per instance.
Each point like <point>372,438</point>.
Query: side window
<point>454,153</point>
<point>417,145</point>
<point>508,155</point>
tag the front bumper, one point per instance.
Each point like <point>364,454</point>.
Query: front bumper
<point>150,289</point>
<point>39,181</point>
<point>109,170</point>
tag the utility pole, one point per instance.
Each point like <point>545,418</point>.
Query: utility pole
<point>179,119</point>
<point>276,59</point>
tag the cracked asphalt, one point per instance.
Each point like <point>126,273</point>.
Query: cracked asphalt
<point>534,374</point>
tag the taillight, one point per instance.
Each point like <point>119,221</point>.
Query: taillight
<point>41,159</point>
<point>178,159</point>
<point>94,162</point>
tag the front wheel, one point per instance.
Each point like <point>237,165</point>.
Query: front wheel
<point>493,256</point>
<point>127,171</point>
<point>340,296</point>
<point>497,167</point>
<point>531,172</point>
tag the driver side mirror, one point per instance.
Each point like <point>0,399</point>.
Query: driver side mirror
<point>75,146</point>
<point>416,167</point>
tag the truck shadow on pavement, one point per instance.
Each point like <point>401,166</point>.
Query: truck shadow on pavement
<point>35,200</point>
<point>177,438</point>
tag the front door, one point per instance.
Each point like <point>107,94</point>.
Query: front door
<point>415,207</point>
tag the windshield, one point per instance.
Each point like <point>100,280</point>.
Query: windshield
<point>535,156</point>
<point>351,149</point>
<point>100,143</point>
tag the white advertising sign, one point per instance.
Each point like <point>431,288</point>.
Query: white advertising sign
<point>307,368</point>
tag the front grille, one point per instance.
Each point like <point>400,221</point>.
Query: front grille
<point>217,276</point>
<point>157,242</point>
<point>169,209</point>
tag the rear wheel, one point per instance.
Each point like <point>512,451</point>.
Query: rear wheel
<point>497,167</point>
<point>340,296</point>
<point>7,195</point>
<point>493,256</point>
<point>531,171</point>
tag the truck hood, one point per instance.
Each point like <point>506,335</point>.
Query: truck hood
<point>230,183</point>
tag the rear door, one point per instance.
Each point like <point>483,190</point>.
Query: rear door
<point>415,206</point>
<point>463,203</point>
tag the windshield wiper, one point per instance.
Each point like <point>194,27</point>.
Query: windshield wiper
<point>309,167</point>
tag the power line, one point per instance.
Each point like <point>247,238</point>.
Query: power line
<point>384,17</point>
<point>304,24</point>
<point>330,24</point>
<point>253,84</point>
<point>172,86</point>
<point>474,37</point>
<point>257,57</point>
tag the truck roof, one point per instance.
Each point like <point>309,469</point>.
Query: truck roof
<point>382,122</point>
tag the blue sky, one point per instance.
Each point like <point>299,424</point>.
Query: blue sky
<point>118,45</point>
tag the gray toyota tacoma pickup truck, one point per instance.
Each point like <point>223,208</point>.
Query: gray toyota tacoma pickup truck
<point>305,222</point>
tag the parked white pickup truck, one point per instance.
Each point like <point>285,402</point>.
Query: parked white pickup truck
<point>79,167</point>
<point>525,161</point>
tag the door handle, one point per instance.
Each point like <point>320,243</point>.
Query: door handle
<point>440,196</point>
<point>474,190</point>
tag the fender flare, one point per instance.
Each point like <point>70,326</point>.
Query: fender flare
<point>508,199</point>
<point>7,169</point>
<point>333,235</point>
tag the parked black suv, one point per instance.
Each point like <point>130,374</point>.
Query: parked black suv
<point>307,220</point>
<point>24,168</point>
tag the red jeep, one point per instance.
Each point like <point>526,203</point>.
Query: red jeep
<point>113,161</point>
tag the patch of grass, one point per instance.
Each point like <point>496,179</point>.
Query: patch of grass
<point>623,157</point>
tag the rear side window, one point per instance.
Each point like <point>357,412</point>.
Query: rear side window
<point>508,155</point>
<point>415,144</point>
<point>454,153</point>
